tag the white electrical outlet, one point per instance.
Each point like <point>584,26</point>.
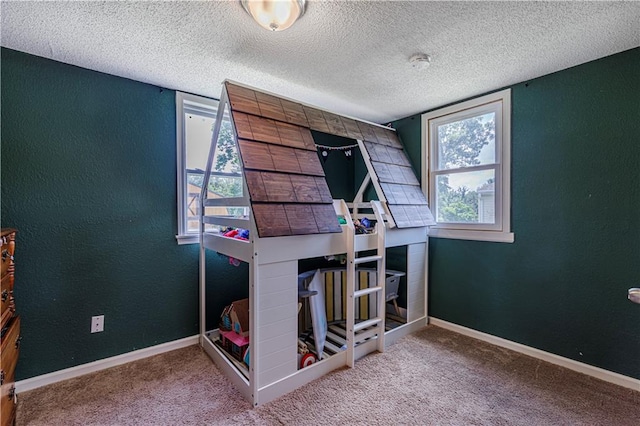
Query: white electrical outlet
<point>97,324</point>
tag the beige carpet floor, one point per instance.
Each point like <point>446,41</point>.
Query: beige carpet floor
<point>433,377</point>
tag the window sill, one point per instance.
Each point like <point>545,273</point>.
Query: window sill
<point>188,239</point>
<point>464,234</point>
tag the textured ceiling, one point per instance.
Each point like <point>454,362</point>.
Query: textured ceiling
<point>350,57</point>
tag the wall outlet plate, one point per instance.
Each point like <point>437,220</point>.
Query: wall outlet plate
<point>97,324</point>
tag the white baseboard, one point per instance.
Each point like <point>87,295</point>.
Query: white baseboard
<point>599,373</point>
<point>80,370</point>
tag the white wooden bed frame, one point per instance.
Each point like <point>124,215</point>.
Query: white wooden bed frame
<point>273,288</point>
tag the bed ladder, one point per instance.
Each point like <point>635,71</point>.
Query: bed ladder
<point>374,326</point>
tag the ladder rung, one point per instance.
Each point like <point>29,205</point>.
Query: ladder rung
<point>366,259</point>
<point>365,291</point>
<point>367,334</point>
<point>367,323</point>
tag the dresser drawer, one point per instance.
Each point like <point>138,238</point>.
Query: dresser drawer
<point>7,306</point>
<point>9,328</point>
<point>10,346</point>
<point>8,403</point>
<point>9,350</point>
<point>7,250</point>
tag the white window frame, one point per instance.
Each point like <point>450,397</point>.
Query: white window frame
<point>500,103</point>
<point>186,102</point>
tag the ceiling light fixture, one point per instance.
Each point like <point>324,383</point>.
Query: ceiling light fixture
<point>274,15</point>
<point>420,61</point>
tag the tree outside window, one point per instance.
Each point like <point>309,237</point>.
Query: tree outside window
<point>462,144</point>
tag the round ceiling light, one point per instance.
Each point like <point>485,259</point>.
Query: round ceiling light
<point>274,15</point>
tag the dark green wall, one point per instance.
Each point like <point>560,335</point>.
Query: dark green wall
<point>562,286</point>
<point>88,178</point>
<point>340,171</point>
<point>89,181</point>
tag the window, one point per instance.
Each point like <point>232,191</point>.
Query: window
<point>467,169</point>
<point>196,117</point>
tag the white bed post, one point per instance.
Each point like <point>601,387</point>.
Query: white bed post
<point>254,317</point>
<point>426,280</point>
<point>381,272</point>
<point>351,279</point>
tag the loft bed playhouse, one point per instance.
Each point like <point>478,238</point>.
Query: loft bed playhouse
<point>289,213</point>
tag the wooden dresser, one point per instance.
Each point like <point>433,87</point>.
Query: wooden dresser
<point>10,330</point>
